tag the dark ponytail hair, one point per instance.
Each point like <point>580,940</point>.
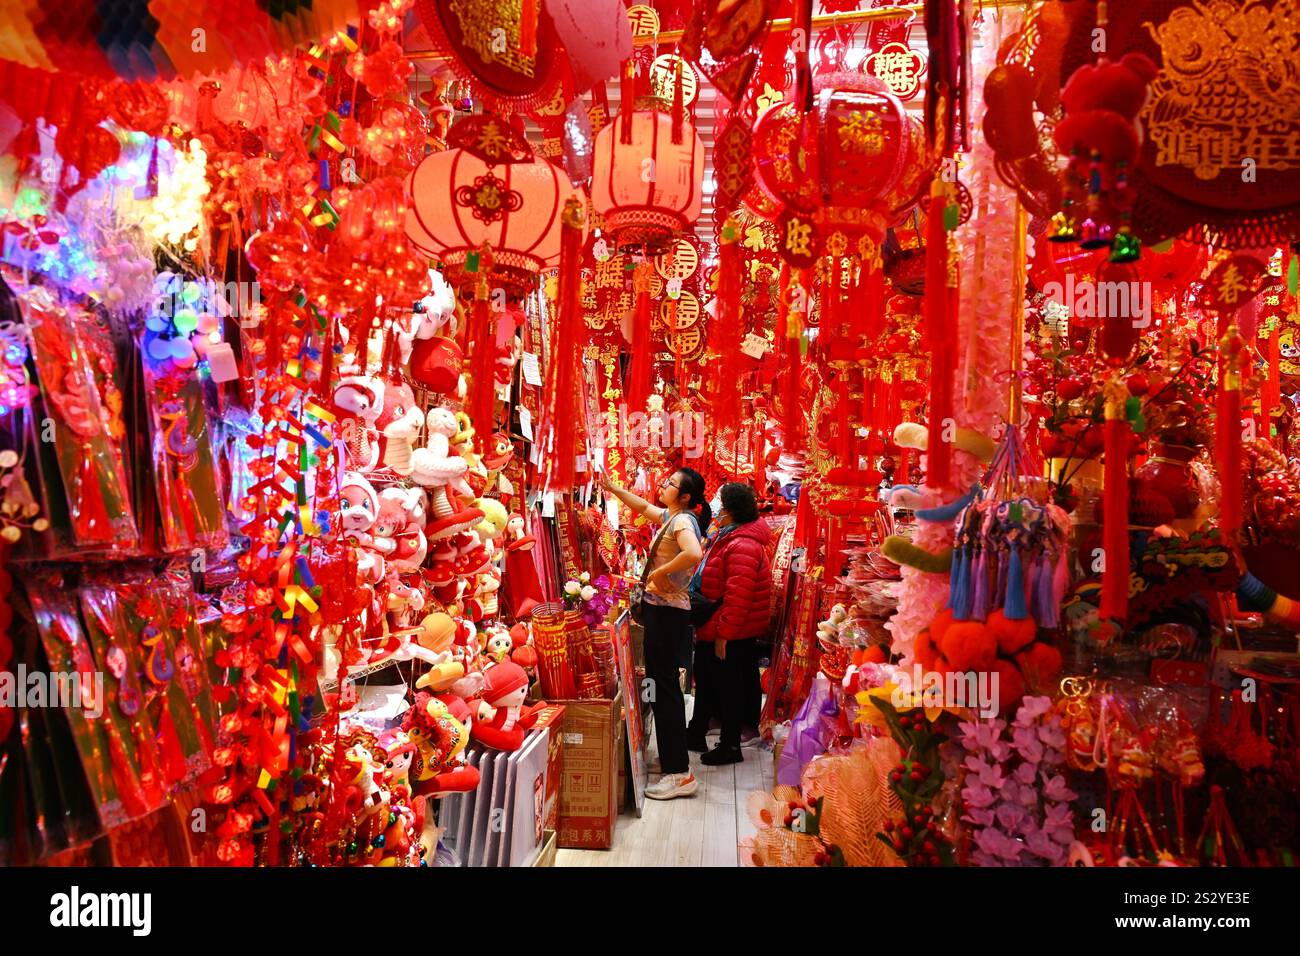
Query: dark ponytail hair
<point>692,484</point>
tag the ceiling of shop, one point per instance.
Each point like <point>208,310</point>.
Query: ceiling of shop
<point>705,110</point>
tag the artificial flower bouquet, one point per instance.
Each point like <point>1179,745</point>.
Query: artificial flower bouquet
<point>592,599</point>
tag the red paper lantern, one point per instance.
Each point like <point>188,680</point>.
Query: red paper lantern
<point>853,163</point>
<point>647,183</point>
<point>459,202</point>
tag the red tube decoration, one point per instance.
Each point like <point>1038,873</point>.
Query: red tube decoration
<point>562,406</point>
<point>1115,575</point>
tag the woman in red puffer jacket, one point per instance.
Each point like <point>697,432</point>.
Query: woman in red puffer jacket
<point>737,572</point>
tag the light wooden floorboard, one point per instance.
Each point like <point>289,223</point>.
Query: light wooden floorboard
<point>690,831</point>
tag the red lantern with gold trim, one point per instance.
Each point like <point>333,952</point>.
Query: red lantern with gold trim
<point>853,163</point>
<point>648,183</point>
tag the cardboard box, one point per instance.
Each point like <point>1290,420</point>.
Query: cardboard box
<point>553,717</point>
<point>592,735</point>
<point>546,856</point>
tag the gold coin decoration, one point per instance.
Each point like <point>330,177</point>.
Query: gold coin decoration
<point>663,79</point>
<point>685,260</point>
<point>687,344</point>
<point>644,20</point>
<point>688,311</point>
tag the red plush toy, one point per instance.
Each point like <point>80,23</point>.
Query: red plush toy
<point>1102,101</point>
<point>502,718</point>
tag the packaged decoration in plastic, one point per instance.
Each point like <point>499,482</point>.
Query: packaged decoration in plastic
<point>94,481</point>
<point>154,614</point>
<point>123,780</point>
<point>184,463</point>
<point>47,798</point>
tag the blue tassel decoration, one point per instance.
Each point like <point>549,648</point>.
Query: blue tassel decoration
<point>980,587</point>
<point>1014,605</point>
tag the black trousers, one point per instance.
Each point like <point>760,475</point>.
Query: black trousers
<point>665,628</point>
<point>753,686</point>
<point>725,693</point>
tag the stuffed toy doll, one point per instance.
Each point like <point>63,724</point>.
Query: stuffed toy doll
<point>359,505</point>
<point>499,645</point>
<point>399,424</point>
<point>410,546</point>
<point>359,511</point>
<point>519,539</point>
<point>388,522</point>
<point>359,400</point>
<point>431,315</point>
<point>440,741</point>
<point>436,467</point>
<point>502,718</point>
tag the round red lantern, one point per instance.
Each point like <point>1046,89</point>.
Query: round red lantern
<point>853,163</point>
<point>463,197</point>
<point>646,182</point>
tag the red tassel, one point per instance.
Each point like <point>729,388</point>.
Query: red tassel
<point>940,313</point>
<point>1115,576</point>
<point>728,375</point>
<point>789,332</point>
<point>1228,433</point>
<point>528,16</point>
<point>627,103</point>
<point>562,405</point>
<point>639,384</point>
<point>482,400</point>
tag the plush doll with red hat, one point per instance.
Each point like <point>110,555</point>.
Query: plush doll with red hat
<point>502,717</point>
<point>359,400</point>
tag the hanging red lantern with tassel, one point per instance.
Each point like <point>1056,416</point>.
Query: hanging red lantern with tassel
<point>489,187</point>
<point>648,176</point>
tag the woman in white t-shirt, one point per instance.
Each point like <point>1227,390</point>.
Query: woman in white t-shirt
<point>667,619</point>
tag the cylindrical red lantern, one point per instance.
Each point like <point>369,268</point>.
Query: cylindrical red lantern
<point>459,202</point>
<point>854,162</point>
<point>647,186</point>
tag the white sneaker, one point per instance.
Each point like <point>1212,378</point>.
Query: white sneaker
<point>672,785</point>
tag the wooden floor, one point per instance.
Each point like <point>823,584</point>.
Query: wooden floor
<point>701,830</point>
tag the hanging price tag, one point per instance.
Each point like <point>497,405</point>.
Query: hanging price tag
<point>526,423</point>
<point>755,346</point>
<point>532,371</point>
<point>611,512</point>
<point>548,505</point>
